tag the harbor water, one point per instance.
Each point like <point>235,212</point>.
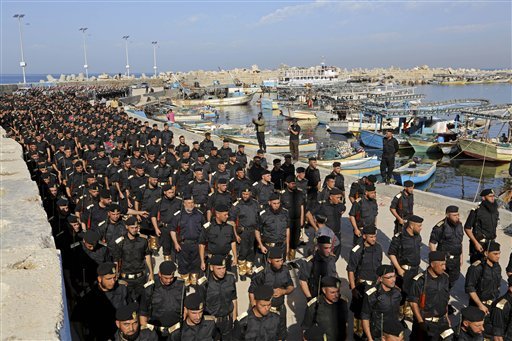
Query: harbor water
<point>458,177</point>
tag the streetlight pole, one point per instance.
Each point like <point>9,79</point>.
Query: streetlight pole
<point>83,29</point>
<point>22,63</point>
<point>126,49</point>
<point>154,56</point>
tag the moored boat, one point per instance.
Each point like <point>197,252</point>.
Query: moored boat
<point>374,139</point>
<point>490,151</point>
<point>370,165</point>
<point>415,172</point>
<point>274,144</point>
<point>299,114</point>
<point>214,101</point>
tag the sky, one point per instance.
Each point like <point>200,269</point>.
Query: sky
<point>206,35</point>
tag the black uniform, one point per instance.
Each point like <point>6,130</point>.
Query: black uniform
<point>84,264</point>
<point>406,249</point>
<point>245,216</point>
<point>387,164</point>
<point>313,177</point>
<point>236,185</point>
<point>218,238</point>
<point>380,307</point>
<point>331,318</point>
<point>448,238</point>
<point>249,327</point>
<point>483,220</point>
<point>188,228</point>
<point>272,226</point>
<point>262,192</point>
<point>293,201</point>
<point>144,335</point>
<point>164,213</point>
<point>159,299</point>
<point>181,179</point>
<point>218,198</point>
<point>501,316</point>
<point>206,145</point>
<point>403,203</point>
<point>333,213</point>
<point>204,331</point>
<point>365,212</point>
<point>313,268</point>
<point>109,231</point>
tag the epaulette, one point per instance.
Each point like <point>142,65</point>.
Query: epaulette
<point>120,239</point>
<point>418,276</point>
<point>190,182</point>
<point>312,301</point>
<point>205,225</point>
<point>241,316</point>
<point>143,185</point>
<point>149,283</point>
<point>235,203</point>
<point>158,200</point>
<point>143,236</point>
<point>230,180</point>
<point>211,194</point>
<point>477,263</point>
<point>398,234</point>
<point>501,304</point>
<point>439,224</point>
<point>309,258</point>
<point>177,212</point>
<point>202,280</point>
<point>109,165</point>
<point>284,209</point>
<point>102,243</point>
<point>299,189</point>
<point>370,291</point>
<point>120,170</point>
<point>254,184</point>
<point>261,213</point>
<point>446,333</point>
<point>214,173</point>
<point>174,328</point>
<point>175,171</point>
<point>358,200</point>
<point>209,318</point>
<point>148,326</point>
<point>355,248</point>
<point>258,269</point>
<point>72,246</point>
<point>90,206</point>
<point>274,310</point>
<point>282,191</point>
<point>103,222</point>
<point>398,196</point>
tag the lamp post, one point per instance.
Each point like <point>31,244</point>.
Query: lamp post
<point>83,29</point>
<point>154,56</point>
<point>126,49</point>
<point>22,63</point>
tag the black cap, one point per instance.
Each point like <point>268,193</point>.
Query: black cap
<point>194,302</point>
<point>312,158</point>
<point>221,208</point>
<point>452,209</point>
<point>167,268</point>
<point>472,314</point>
<point>263,293</point>
<point>275,253</point>
<point>91,237</point>
<point>300,170</point>
<point>323,240</point>
<point>130,221</point>
<point>184,161</point>
<point>330,282</point>
<point>106,269</point>
<point>385,269</point>
<point>105,193</point>
<point>492,246</point>
<point>486,192</point>
<point>195,142</point>
<point>72,219</point>
<point>436,256</point>
<point>415,219</point>
<point>246,189</point>
<point>62,202</point>
<point>369,188</point>
<point>232,154</point>
<point>222,181</point>
<point>139,166</point>
<point>265,172</point>
<point>217,260</point>
<point>335,191</point>
<point>290,179</point>
<point>370,229</point>
<point>336,164</point>
<point>320,218</point>
<point>274,196</point>
<point>198,169</point>
<point>408,183</point>
<point>166,187</point>
<point>127,312</point>
<point>114,207</point>
<point>372,178</point>
<point>276,161</point>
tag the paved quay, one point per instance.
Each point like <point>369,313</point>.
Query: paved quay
<point>427,205</point>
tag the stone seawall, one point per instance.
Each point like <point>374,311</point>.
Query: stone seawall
<point>32,295</point>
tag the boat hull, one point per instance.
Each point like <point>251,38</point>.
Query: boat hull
<point>367,167</point>
<point>272,148</point>
<point>239,100</point>
<point>486,151</point>
<point>374,140</point>
<point>299,114</point>
<point>416,175</point>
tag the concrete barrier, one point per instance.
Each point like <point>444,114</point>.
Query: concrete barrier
<point>31,286</point>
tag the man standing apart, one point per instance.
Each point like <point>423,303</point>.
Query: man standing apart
<point>389,149</point>
<point>260,130</point>
<point>294,130</point>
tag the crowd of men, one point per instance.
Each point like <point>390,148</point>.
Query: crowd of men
<point>118,192</point>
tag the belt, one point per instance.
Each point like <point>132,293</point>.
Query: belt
<point>274,244</point>
<point>407,267</point>
<point>433,319</point>
<point>359,281</point>
<point>163,183</point>
<point>222,318</point>
<point>488,302</point>
<point>189,241</point>
<point>198,205</point>
<point>100,175</point>
<point>132,276</point>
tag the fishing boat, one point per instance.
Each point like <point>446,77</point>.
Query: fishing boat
<point>347,127</point>
<point>474,169</point>
<point>489,151</point>
<point>432,144</point>
<point>277,145</point>
<point>370,165</point>
<point>268,104</point>
<point>300,114</point>
<point>214,101</point>
<point>373,139</point>
<point>416,172</point>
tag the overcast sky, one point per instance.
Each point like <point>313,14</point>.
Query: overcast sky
<point>209,34</point>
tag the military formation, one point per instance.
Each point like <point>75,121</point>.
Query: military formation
<point>120,192</point>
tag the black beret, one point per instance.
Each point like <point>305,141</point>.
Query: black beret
<point>131,220</point>
<point>184,161</point>
<point>260,151</point>
<point>62,202</point>
<point>91,237</point>
<point>415,219</point>
<point>194,301</point>
<point>385,269</point>
<point>166,187</point>
<point>222,181</point>
<point>276,161</point>
<point>472,314</point>
<point>335,191</point>
<point>370,229</point>
<point>492,246</point>
<point>336,164</point>
<point>106,269</point>
<point>200,154</point>
<point>312,158</point>
<point>275,253</point>
<point>323,240</point>
<point>217,260</point>
<point>330,177</point>
<point>195,142</point>
<point>104,193</point>
<point>393,327</point>
<point>198,169</point>
<point>330,282</point>
<point>288,156</point>
<point>188,197</point>
<point>246,189</point>
<point>321,218</point>
<point>239,168</point>
<point>290,178</point>
<point>452,209</point>
<point>265,172</point>
<point>408,183</point>
<point>139,166</point>
<point>263,293</point>
<point>372,178</point>
<point>274,196</point>
<point>114,207</point>
<point>221,208</point>
<point>369,188</point>
<point>72,219</point>
<point>300,169</point>
<point>232,154</point>
<point>437,256</point>
<point>485,192</point>
<point>167,268</point>
<point>127,312</point>
<point>241,146</point>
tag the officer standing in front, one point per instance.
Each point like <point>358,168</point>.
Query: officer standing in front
<point>389,149</point>
<point>481,225</point>
<point>196,325</point>
<point>402,206</point>
<point>501,315</point>
<point>273,227</point>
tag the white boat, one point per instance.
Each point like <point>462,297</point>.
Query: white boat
<point>274,144</point>
<point>347,127</point>
<point>316,75</point>
<point>214,101</point>
<point>299,114</point>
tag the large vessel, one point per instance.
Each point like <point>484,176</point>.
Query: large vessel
<point>316,75</point>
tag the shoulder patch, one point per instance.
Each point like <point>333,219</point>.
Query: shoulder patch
<point>358,199</point>
<point>148,326</point>
<point>130,177</point>
<point>439,224</point>
<point>158,200</point>
<point>398,234</point>
<point>309,258</point>
<point>230,180</point>
<point>312,301</point>
<point>72,246</point>
<point>446,333</point>
<point>241,316</point>
<point>418,276</point>
<point>261,213</point>
<point>211,194</point>
<point>149,283</point>
<point>501,304</point>
<point>370,291</point>
<point>355,248</point>
<point>177,212</point>
<point>398,196</point>
<point>214,173</point>
<point>206,225</point>
<point>174,328</point>
<point>258,269</point>
<point>254,184</point>
<point>209,318</point>
<point>176,171</point>
<point>190,182</point>
<point>235,203</point>
<point>103,222</point>
<point>120,239</point>
<point>202,280</point>
<point>90,206</point>
<point>477,263</point>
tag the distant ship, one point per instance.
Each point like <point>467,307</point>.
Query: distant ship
<point>316,75</point>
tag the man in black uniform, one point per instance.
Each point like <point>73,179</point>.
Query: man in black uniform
<point>339,179</point>
<point>364,213</point>
<point>127,320</point>
<point>220,196</point>
<point>113,227</point>
<point>501,315</point>
<point>389,149</point>
<point>94,317</point>
<point>404,253</point>
<point>429,296</point>
<point>196,325</point>
<point>273,228</point>
<point>361,268</point>
<point>294,130</point>
<point>214,159</point>
<point>207,144</point>
<point>133,258</point>
<point>481,224</point>
<point>402,206</point>
<point>255,170</point>
<point>313,268</point>
<point>199,189</point>
<point>259,323</point>
<point>288,167</point>
<point>314,182</point>
<point>327,311</point>
<point>164,294</point>
<point>357,188</point>
<point>471,325</point>
<point>447,236</point>
<point>243,216</point>
<point>277,276</point>
<point>219,291</point>
<point>182,177</point>
<point>293,200</point>
<point>221,173</point>
<point>381,303</point>
<point>263,189</point>
<point>277,175</point>
<point>241,156</point>
<point>483,281</point>
<point>186,228</point>
<point>237,183</point>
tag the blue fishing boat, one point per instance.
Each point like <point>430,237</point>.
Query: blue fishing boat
<point>416,172</point>
<point>373,139</point>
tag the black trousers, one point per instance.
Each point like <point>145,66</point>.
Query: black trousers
<point>166,241</point>
<point>294,233</point>
<point>261,140</point>
<point>188,258</point>
<point>294,149</point>
<point>453,269</point>
<point>246,246</point>
<point>432,330</point>
<point>387,165</point>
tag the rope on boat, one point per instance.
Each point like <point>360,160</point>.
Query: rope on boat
<point>481,174</point>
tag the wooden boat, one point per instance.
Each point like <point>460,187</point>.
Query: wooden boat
<point>429,144</point>
<point>347,127</point>
<point>274,144</point>
<point>370,166</point>
<point>474,169</point>
<point>353,159</point>
<point>489,151</point>
<point>416,172</point>
<point>299,114</point>
<point>374,139</point>
<point>214,101</point>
